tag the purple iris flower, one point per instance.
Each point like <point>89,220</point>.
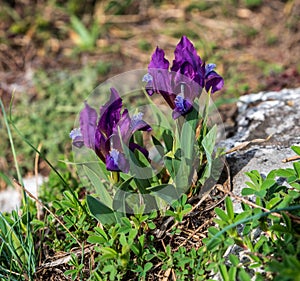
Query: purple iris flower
<point>113,129</point>
<point>188,76</point>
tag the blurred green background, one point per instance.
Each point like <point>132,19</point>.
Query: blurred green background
<point>53,53</point>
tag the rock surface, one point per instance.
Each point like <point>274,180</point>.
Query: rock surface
<point>10,199</point>
<point>259,116</point>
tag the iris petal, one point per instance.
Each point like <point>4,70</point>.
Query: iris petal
<point>88,119</point>
<point>158,60</point>
<point>116,161</point>
<point>214,82</point>
<point>138,124</point>
<point>185,52</point>
<point>77,138</point>
<point>110,113</point>
<point>183,106</point>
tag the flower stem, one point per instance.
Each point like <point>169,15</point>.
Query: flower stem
<point>115,177</point>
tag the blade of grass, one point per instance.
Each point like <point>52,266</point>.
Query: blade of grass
<point>30,259</point>
<point>12,146</point>
<point>42,156</point>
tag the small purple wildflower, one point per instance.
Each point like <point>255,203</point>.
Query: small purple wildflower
<point>106,136</point>
<point>189,69</point>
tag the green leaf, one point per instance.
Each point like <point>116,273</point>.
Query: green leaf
<point>296,166</point>
<point>148,266</point>
<point>99,186</point>
<point>267,183</point>
<point>221,214</point>
<point>248,191</point>
<point>243,215</point>
<point>261,194</point>
<point>140,168</point>
<point>255,178</point>
<point>234,260</point>
<point>208,144</point>
<point>262,239</point>
<point>296,149</point>
<point>252,185</point>
<point>158,145</point>
<point>287,221</point>
<point>187,141</point>
<point>119,202</point>
<point>285,173</point>
<point>295,185</point>
<point>168,139</point>
<point>271,175</point>
<point>213,230</point>
<point>172,165</point>
<point>108,253</point>
<point>94,239</point>
<point>167,192</point>
<point>158,115</point>
<point>101,232</point>
<point>232,273</point>
<point>279,228</point>
<point>243,275</point>
<point>187,155</point>
<point>229,208</point>
<point>273,202</point>
<point>224,272</point>
<point>101,212</point>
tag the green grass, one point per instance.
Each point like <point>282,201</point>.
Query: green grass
<point>48,118</point>
<point>17,250</point>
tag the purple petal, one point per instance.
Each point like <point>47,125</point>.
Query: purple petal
<point>149,88</point>
<point>88,120</point>
<point>77,139</point>
<point>214,82</point>
<point>121,131</point>
<point>182,107</point>
<point>147,78</point>
<point>110,114</point>
<point>158,69</point>
<point>185,52</point>
<point>209,68</point>
<point>161,84</point>
<point>158,60</point>
<point>186,87</point>
<point>138,124</point>
<point>187,70</point>
<point>133,146</point>
<point>116,161</point>
<point>102,145</point>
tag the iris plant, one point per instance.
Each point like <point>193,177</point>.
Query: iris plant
<point>185,80</point>
<point>114,128</point>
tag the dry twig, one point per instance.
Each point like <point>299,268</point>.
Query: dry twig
<point>293,158</point>
<point>246,144</point>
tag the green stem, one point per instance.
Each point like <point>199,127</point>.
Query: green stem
<point>24,197</point>
<point>115,177</point>
<point>206,110</point>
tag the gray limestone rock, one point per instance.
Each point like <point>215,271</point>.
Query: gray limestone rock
<point>10,199</point>
<point>259,116</point>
